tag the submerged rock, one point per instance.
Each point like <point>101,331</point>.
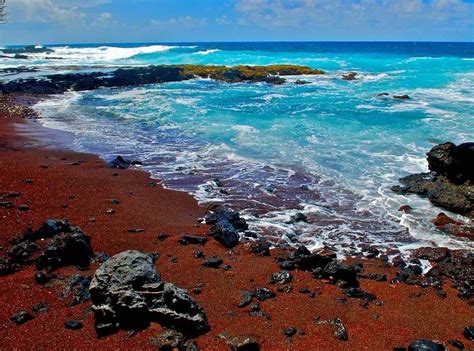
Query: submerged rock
<point>127,293</point>
<point>350,76</point>
<point>401,97</point>
<point>122,163</point>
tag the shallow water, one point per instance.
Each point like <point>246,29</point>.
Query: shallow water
<point>265,144</point>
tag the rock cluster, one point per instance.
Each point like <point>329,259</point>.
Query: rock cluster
<point>55,244</point>
<point>127,293</point>
<point>450,184</point>
<point>323,265</point>
<point>226,225</point>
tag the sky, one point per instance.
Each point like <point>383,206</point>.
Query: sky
<point>127,21</point>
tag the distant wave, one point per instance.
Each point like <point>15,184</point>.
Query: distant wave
<point>87,55</point>
<point>109,53</point>
<point>206,52</point>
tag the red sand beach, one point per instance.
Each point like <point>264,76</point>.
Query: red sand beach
<point>61,187</point>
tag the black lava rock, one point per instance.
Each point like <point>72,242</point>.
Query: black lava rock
<point>41,277</point>
<point>122,163</point>
<point>226,225</point>
<point>338,272</point>
<point>213,262</point>
<point>261,248</point>
<point>245,298</point>
<point>469,332</point>
<point>73,325</point>
<point>191,239</point>
<point>127,292</point>
<point>65,249</point>
<point>289,332</point>
<point>426,345</point>
<point>282,277</point>
<point>21,317</point>
<point>263,294</point>
<point>360,294</point>
<point>456,344</point>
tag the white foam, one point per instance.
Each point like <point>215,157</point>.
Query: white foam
<point>206,52</point>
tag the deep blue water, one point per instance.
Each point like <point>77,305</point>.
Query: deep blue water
<point>263,142</point>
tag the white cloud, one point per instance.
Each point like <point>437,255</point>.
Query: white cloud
<point>50,11</point>
<point>376,13</point>
<point>223,20</point>
<point>104,19</point>
<point>182,21</point>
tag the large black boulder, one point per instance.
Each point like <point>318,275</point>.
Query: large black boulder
<point>66,249</point>
<point>127,293</point>
<point>454,162</point>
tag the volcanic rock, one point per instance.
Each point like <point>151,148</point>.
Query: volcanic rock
<point>426,345</point>
<point>127,292</point>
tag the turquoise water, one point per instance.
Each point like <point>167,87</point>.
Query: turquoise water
<point>266,144</point>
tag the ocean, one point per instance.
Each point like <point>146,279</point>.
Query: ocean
<point>330,149</point>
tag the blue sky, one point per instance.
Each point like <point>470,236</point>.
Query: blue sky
<point>87,21</point>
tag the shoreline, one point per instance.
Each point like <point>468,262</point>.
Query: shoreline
<point>62,187</point>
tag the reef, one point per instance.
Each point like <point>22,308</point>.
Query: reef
<point>60,83</point>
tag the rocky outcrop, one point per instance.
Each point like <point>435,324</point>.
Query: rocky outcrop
<point>450,184</point>
<point>127,293</point>
<point>453,162</point>
<point>55,244</point>
<point>60,83</point>
<point>350,76</point>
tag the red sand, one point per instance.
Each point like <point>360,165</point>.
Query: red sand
<point>87,190</point>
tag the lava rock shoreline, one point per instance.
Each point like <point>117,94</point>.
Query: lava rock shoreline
<point>60,83</point>
<point>254,296</point>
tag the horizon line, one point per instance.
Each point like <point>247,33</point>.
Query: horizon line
<point>251,41</point>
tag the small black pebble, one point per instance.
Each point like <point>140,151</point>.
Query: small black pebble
<point>21,317</point>
<point>73,325</point>
<point>162,237</point>
<point>469,332</point>
<point>289,332</point>
<point>456,344</point>
<point>41,277</point>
